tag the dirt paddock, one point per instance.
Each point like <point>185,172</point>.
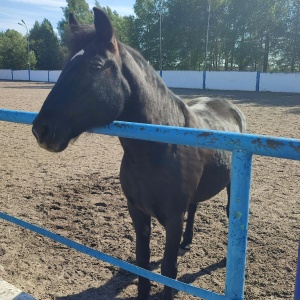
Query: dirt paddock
<point>77,194</point>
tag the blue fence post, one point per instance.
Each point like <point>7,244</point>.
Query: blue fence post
<point>257,80</point>
<point>12,74</point>
<point>238,224</point>
<point>204,80</point>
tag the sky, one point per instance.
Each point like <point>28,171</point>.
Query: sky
<point>13,11</point>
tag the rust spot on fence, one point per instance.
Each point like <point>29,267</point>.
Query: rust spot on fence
<point>204,134</point>
<point>296,148</point>
<point>274,144</point>
<point>257,142</point>
<point>120,125</point>
<point>237,214</point>
<point>235,142</point>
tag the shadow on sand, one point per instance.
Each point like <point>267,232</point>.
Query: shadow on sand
<point>30,86</point>
<point>122,279</point>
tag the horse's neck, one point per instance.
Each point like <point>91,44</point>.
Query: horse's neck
<point>151,101</point>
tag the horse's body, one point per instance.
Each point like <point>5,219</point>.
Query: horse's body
<point>106,80</point>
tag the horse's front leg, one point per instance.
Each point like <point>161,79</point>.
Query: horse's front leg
<point>142,226</point>
<point>169,264</point>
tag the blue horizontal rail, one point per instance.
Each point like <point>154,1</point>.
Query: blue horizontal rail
<point>231,141</point>
<point>243,146</point>
<point>114,261</point>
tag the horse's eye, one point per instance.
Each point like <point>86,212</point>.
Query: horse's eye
<point>96,66</point>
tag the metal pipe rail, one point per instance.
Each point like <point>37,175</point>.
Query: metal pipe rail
<point>242,146</point>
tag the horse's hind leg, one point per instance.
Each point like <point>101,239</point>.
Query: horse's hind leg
<point>142,226</point>
<point>189,229</point>
<point>228,203</point>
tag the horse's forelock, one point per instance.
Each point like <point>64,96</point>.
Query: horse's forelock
<point>81,37</point>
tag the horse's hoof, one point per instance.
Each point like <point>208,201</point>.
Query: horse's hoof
<point>183,250</point>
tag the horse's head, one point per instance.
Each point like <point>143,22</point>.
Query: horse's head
<point>91,90</point>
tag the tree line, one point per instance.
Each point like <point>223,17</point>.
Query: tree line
<point>246,35</point>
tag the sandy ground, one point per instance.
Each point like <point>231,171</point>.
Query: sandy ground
<point>77,194</point>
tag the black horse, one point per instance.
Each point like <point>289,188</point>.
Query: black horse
<point>105,80</point>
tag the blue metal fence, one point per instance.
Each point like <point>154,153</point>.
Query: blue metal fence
<point>243,146</point>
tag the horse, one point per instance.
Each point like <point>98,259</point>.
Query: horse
<point>105,80</point>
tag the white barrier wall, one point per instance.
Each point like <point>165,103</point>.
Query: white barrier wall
<point>6,74</point>
<point>183,79</point>
<point>21,75</point>
<point>39,75</point>
<point>215,80</point>
<point>53,75</point>
<point>228,80</point>
<point>280,82</point>
<point>35,75</point>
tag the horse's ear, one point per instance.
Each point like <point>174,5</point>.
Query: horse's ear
<point>103,25</point>
<point>74,25</point>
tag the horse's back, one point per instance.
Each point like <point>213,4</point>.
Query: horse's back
<point>218,114</point>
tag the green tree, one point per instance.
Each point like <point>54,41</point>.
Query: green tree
<point>243,35</point>
<point>122,25</point>
<point>290,55</point>
<point>13,51</point>
<point>247,33</point>
<point>46,46</point>
<point>146,25</point>
<point>270,24</point>
<point>82,13</point>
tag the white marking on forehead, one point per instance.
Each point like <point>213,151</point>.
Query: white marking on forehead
<point>81,52</point>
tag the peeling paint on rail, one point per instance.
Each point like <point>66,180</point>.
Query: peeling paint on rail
<point>230,141</point>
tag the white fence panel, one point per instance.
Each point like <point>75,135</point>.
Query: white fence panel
<point>280,82</point>
<point>53,76</point>
<point>21,75</point>
<point>231,80</point>
<point>6,74</point>
<point>215,80</point>
<point>183,79</point>
<point>36,75</point>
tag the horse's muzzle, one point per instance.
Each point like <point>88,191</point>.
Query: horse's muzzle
<point>47,138</point>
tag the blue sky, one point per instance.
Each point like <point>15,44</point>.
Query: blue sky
<point>13,11</point>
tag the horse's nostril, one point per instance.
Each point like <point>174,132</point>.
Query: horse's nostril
<point>34,132</point>
<point>40,132</point>
<point>44,130</point>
